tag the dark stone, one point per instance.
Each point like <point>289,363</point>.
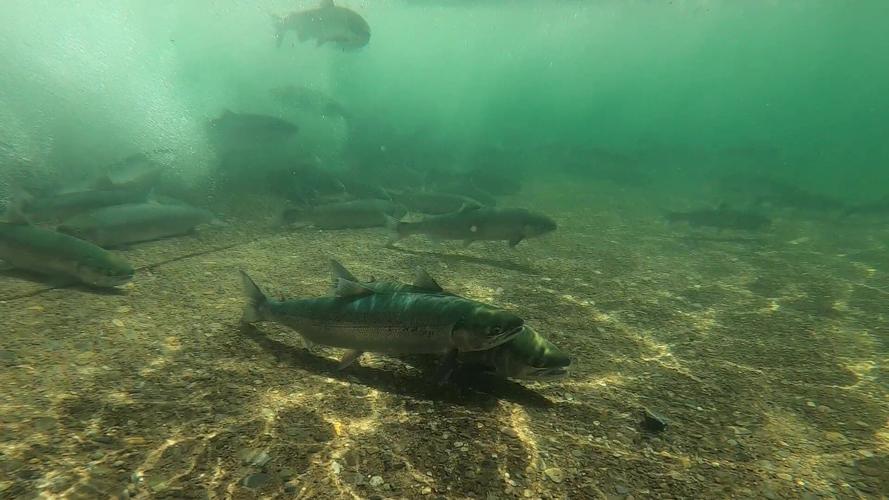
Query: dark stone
<point>652,422</point>
<point>258,480</point>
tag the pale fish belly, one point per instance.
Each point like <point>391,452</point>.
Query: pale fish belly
<point>389,338</point>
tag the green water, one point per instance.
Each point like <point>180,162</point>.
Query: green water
<point>708,186</point>
<point>793,88</point>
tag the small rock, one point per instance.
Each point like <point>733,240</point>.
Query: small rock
<point>621,489</point>
<point>509,431</point>
<point>256,481</point>
<point>835,437</point>
<point>555,474</point>
<point>376,481</point>
<point>652,422</point>
<point>426,490</point>
<point>336,467</point>
<point>785,476</point>
<point>256,457</point>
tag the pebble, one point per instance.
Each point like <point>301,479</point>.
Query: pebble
<point>258,480</point>
<point>834,436</point>
<point>509,431</point>
<point>555,474</point>
<point>256,458</point>
<point>376,481</point>
<point>336,467</point>
<point>785,476</point>
<point>426,490</point>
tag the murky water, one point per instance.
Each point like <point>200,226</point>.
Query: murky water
<point>687,199</point>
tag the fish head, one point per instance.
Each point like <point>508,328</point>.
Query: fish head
<point>105,271</point>
<point>531,356</point>
<point>538,224</point>
<point>485,328</point>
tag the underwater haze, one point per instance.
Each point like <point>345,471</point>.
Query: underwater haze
<point>798,86</point>
<point>552,249</point>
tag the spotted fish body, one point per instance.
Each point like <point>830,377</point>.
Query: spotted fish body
<point>528,355</point>
<point>359,319</point>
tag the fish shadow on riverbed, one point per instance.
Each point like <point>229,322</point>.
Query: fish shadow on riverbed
<point>455,258</point>
<point>468,388</point>
<point>50,284</point>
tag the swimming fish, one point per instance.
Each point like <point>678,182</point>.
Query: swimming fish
<point>328,23</point>
<point>348,214</point>
<point>360,320</point>
<point>132,223</point>
<point>474,223</point>
<point>59,255</point>
<point>529,355</point>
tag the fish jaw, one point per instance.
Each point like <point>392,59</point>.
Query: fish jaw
<point>113,273</point>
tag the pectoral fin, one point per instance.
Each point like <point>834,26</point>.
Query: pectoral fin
<point>446,367</point>
<point>348,358</point>
<point>515,241</point>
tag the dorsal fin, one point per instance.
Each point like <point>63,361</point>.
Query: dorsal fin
<point>326,4</point>
<point>423,281</point>
<point>337,272</point>
<point>346,288</point>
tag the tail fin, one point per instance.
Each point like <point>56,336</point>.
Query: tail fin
<point>257,300</point>
<point>396,229</point>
